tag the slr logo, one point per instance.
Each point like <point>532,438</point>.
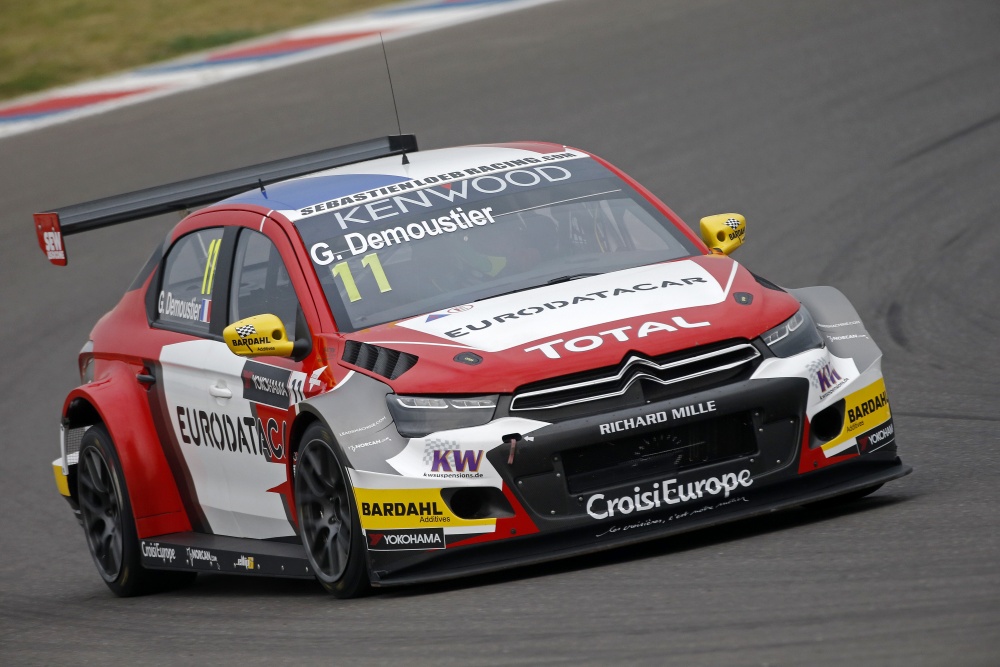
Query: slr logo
<point>53,245</point>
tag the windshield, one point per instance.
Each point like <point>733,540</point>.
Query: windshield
<point>452,243</point>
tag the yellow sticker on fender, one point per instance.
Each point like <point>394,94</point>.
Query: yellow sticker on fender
<point>863,410</point>
<point>383,509</point>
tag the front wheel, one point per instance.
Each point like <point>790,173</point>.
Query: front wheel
<point>108,522</point>
<point>328,519</point>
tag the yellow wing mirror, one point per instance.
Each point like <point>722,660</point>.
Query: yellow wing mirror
<point>723,233</point>
<point>258,336</point>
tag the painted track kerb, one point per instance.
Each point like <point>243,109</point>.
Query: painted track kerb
<point>283,49</point>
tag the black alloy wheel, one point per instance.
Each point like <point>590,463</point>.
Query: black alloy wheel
<point>101,509</point>
<point>108,522</point>
<point>331,532</point>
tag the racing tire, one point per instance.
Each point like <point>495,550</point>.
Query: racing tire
<point>108,523</point>
<point>328,516</point>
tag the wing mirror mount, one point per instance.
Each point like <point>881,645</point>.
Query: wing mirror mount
<point>723,233</point>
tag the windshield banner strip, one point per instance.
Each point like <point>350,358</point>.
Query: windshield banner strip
<point>369,197</point>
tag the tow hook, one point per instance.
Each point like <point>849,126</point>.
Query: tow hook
<point>512,439</point>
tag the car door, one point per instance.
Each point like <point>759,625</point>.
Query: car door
<point>183,311</point>
<point>255,399</point>
<point>224,420</point>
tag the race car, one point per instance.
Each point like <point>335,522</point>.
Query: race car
<point>377,366</point>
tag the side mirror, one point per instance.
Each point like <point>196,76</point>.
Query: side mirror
<point>723,233</point>
<point>258,336</point>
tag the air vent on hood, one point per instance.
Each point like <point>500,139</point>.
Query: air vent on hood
<point>379,360</point>
<point>766,283</point>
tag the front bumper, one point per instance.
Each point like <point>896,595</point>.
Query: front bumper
<point>483,558</point>
<point>601,481</point>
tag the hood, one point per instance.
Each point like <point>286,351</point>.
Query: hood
<point>499,344</point>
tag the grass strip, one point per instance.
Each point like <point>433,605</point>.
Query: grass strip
<point>47,43</point>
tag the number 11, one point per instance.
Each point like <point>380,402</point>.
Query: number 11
<point>370,261</point>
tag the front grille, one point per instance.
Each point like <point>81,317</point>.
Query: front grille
<point>664,452</point>
<point>670,375</point>
<point>379,360</point>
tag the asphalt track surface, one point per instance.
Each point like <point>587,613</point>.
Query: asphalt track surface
<point>862,142</point>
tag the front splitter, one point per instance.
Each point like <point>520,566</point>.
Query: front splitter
<point>604,535</point>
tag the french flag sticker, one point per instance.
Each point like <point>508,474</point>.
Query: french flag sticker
<point>206,310</point>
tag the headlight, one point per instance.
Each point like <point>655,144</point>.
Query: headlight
<point>796,334</point>
<point>416,416</point>
<point>86,361</point>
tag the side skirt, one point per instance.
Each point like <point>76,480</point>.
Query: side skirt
<point>198,552</point>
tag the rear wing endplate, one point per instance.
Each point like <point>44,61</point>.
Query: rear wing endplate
<point>52,226</point>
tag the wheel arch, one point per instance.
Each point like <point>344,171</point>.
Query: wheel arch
<point>308,415</point>
<point>303,421</point>
<point>80,412</point>
<point>839,324</point>
<point>121,404</point>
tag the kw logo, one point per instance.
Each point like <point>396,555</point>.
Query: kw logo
<point>827,377</point>
<point>464,460</point>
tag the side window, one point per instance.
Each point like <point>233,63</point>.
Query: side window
<point>185,299</point>
<point>260,282</point>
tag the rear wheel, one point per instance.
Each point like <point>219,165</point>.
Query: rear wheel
<point>328,519</point>
<point>108,522</point>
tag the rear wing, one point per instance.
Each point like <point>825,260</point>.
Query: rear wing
<point>52,226</point>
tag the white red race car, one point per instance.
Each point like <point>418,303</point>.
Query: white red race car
<point>377,366</point>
